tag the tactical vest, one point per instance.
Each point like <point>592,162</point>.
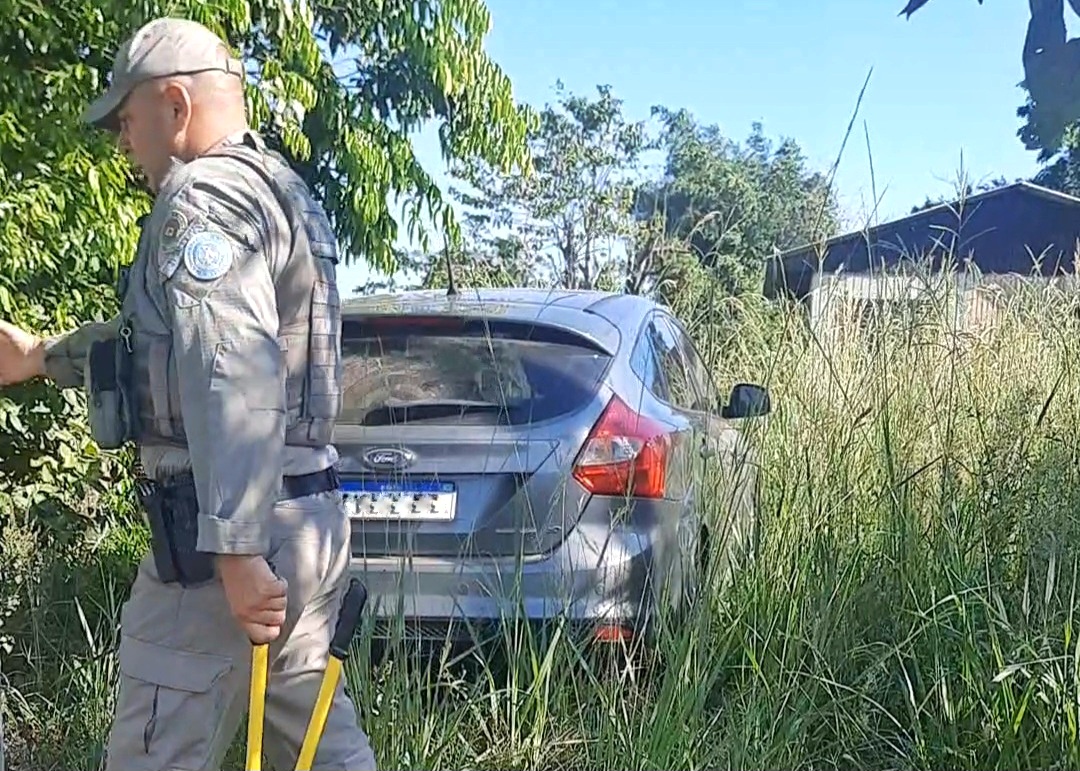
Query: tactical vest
<point>309,313</point>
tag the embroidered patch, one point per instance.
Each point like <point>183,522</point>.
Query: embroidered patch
<point>208,255</point>
<point>171,242</point>
<point>174,229</point>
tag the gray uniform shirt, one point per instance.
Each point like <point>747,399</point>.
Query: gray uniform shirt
<point>203,281</point>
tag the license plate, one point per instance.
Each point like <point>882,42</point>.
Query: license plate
<point>400,500</point>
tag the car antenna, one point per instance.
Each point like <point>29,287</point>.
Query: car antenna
<point>451,289</point>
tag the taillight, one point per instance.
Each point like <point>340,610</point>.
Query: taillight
<point>625,454</point>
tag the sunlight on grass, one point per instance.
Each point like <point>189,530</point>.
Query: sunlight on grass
<point>909,606</point>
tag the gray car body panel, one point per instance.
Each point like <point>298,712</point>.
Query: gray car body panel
<point>528,539</point>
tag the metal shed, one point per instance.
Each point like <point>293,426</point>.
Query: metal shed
<point>988,241</point>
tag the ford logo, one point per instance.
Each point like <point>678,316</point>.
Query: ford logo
<point>388,458</point>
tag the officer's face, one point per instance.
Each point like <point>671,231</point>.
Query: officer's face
<point>153,121</point>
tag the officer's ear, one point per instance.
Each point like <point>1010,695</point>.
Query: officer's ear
<point>177,103</point>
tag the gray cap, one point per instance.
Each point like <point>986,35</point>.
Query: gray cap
<point>160,48</point>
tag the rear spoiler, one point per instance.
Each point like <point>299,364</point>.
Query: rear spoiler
<point>484,324</point>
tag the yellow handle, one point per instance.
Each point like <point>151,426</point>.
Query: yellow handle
<point>318,716</point>
<point>257,706</point>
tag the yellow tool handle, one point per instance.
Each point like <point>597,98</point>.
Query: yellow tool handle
<point>352,605</point>
<point>257,706</point>
<point>319,714</point>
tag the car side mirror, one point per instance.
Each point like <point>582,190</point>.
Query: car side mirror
<point>747,401</point>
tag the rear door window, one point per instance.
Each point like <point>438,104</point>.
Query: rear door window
<point>700,378</point>
<point>643,362</point>
<point>673,363</point>
<point>441,370</point>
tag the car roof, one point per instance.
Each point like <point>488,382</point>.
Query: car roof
<point>593,313</point>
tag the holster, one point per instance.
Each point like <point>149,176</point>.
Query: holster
<point>172,511</point>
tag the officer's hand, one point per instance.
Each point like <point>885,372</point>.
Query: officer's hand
<point>22,355</point>
<point>256,596</point>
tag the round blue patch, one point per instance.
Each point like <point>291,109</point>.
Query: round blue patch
<point>208,255</point>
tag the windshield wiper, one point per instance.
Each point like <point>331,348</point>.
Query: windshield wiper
<point>407,412</point>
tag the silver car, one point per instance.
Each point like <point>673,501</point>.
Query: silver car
<point>535,454</point>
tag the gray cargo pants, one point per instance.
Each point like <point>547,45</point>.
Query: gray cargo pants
<point>185,663</point>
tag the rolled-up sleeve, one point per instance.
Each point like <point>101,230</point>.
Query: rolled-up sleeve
<point>65,354</point>
<point>220,297</point>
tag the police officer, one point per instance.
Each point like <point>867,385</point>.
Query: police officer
<point>223,366</point>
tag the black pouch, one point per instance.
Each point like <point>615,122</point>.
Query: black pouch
<point>110,408</point>
<point>173,514</point>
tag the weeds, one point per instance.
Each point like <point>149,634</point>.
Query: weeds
<point>910,606</point>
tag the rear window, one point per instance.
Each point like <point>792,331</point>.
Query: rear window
<point>443,370</point>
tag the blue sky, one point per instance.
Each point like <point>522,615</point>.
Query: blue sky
<point>942,95</point>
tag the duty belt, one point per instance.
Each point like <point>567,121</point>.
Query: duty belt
<point>171,510</point>
<point>292,487</point>
<point>309,484</point>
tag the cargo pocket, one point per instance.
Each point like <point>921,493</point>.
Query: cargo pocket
<point>250,372</point>
<point>170,709</point>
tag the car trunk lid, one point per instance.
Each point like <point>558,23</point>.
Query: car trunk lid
<point>457,435</point>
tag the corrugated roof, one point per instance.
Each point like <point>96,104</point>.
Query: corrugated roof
<point>1017,228</point>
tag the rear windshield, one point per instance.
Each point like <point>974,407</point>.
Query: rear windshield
<point>464,371</point>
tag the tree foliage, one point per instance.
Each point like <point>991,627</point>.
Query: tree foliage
<point>593,215</point>
<point>338,87</point>
<point>568,223</point>
<point>1051,76</point>
<point>735,204</point>
<point>964,191</point>
<point>1062,171</point>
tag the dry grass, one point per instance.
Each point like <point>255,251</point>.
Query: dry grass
<point>911,606</point>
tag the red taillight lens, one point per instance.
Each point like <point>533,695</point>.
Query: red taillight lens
<point>625,454</point>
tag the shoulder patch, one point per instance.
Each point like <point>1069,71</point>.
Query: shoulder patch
<point>208,254</point>
<point>171,241</point>
<point>174,229</point>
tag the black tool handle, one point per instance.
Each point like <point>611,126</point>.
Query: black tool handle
<point>352,605</point>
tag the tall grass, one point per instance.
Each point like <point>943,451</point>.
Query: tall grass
<point>910,605</point>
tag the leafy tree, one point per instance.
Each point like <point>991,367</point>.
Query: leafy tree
<point>1062,171</point>
<point>733,205</point>
<point>1051,76</point>
<point>567,223</point>
<point>69,203</point>
<point>339,87</point>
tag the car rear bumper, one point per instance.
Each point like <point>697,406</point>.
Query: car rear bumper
<point>597,575</point>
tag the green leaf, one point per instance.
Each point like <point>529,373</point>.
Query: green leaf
<point>339,87</point>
